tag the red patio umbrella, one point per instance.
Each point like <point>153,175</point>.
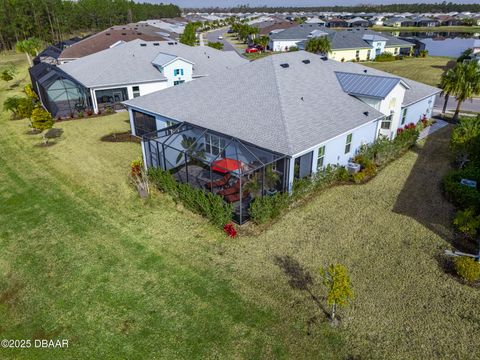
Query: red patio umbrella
<point>225,165</point>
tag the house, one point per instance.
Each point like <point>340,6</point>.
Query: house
<point>307,112</point>
<point>103,80</point>
<point>358,22</point>
<point>111,37</point>
<point>357,44</point>
<point>447,20</point>
<point>315,20</point>
<point>425,22</point>
<point>398,22</point>
<point>336,23</point>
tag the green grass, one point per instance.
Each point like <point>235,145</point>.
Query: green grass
<point>84,259</point>
<point>427,70</point>
<point>465,29</point>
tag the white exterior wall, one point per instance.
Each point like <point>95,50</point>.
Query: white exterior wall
<point>277,45</point>
<point>335,148</point>
<point>168,71</point>
<point>416,110</point>
<point>145,88</point>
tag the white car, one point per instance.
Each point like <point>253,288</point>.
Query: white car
<point>220,37</point>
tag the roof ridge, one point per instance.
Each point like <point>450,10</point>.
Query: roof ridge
<point>282,108</point>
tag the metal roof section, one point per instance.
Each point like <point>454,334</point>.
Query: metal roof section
<point>367,85</point>
<point>373,37</point>
<point>163,59</point>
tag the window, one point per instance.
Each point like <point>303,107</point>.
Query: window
<point>395,51</point>
<point>404,115</point>
<point>214,144</point>
<point>136,91</point>
<point>143,123</point>
<point>321,156</point>
<point>177,72</point>
<point>386,123</point>
<point>368,54</point>
<point>178,82</point>
<point>348,143</point>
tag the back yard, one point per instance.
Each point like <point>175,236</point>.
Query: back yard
<point>82,258</point>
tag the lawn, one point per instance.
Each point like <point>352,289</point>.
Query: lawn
<point>84,259</point>
<point>427,70</point>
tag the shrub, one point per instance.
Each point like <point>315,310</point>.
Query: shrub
<point>80,114</point>
<point>41,119</point>
<point>386,56</point>
<point>216,45</point>
<point>359,177</point>
<point>467,222</point>
<point>230,230</point>
<point>462,195</point>
<point>266,208</point>
<point>467,268</point>
<point>30,93</point>
<point>89,112</point>
<point>205,203</point>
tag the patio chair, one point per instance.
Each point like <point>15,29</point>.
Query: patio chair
<point>236,197</point>
<point>220,182</point>
<point>235,188</point>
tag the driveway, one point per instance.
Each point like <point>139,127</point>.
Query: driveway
<point>213,37</point>
<point>467,105</point>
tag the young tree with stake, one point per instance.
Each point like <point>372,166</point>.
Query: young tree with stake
<point>336,280</point>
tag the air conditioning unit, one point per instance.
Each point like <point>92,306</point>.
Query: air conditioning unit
<point>353,168</point>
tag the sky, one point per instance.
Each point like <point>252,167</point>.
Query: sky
<point>231,3</point>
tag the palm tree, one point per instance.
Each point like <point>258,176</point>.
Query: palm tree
<point>31,47</point>
<point>447,84</point>
<point>262,41</point>
<point>462,81</point>
<point>319,45</point>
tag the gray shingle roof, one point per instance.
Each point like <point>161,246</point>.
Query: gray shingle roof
<point>299,32</point>
<point>287,110</point>
<point>131,63</point>
<point>366,85</point>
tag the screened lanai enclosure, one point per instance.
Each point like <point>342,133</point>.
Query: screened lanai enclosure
<point>224,165</point>
<point>60,94</point>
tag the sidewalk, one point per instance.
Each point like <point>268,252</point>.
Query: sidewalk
<point>431,129</point>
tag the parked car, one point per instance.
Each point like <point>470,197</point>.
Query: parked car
<point>230,31</point>
<point>258,47</point>
<point>220,37</point>
<point>250,50</point>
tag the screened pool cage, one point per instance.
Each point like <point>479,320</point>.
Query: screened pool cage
<point>224,165</point>
<point>60,94</point>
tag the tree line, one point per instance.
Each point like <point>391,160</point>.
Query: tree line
<point>56,20</point>
<point>413,8</point>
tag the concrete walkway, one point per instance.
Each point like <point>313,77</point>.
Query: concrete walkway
<point>431,129</point>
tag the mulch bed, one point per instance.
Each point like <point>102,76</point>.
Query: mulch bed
<point>121,137</point>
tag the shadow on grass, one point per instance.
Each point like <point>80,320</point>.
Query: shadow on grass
<point>299,278</point>
<point>422,196</point>
<point>448,65</point>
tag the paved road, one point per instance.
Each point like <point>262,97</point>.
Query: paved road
<point>227,46</point>
<point>468,105</point>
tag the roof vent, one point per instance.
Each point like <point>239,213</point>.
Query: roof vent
<point>324,58</point>
<point>285,65</point>
<point>170,43</point>
<point>139,33</point>
<point>365,113</point>
<point>306,61</point>
<point>365,71</point>
<point>107,34</point>
<point>143,44</point>
<point>156,44</point>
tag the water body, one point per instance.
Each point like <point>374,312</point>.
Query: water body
<point>451,44</point>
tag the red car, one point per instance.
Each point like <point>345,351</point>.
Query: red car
<point>251,50</point>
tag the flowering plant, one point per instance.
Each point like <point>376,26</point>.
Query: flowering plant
<point>230,230</point>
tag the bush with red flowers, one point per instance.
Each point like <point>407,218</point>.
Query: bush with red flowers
<point>230,230</point>
<point>136,168</point>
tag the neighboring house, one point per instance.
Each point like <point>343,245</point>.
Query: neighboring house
<point>353,44</point>
<point>175,26</point>
<point>425,22</point>
<point>358,22</point>
<point>51,53</point>
<point>447,20</point>
<point>336,23</point>
<point>307,113</point>
<point>111,37</point>
<point>398,22</point>
<point>128,70</point>
<point>315,20</point>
